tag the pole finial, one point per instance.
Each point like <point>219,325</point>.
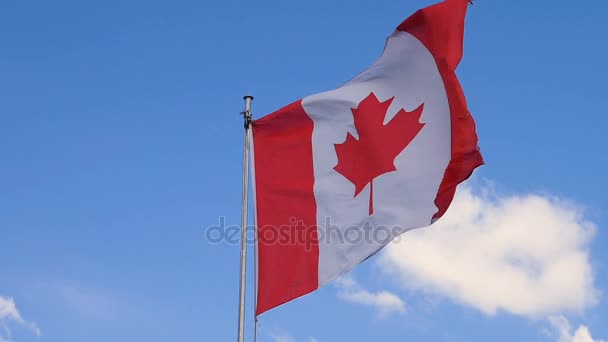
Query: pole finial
<point>247,112</point>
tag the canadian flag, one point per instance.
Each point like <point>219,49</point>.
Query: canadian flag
<point>338,175</point>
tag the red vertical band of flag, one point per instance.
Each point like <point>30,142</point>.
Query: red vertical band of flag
<point>440,28</point>
<point>288,250</point>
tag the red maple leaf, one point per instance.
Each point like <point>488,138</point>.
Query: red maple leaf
<point>373,154</point>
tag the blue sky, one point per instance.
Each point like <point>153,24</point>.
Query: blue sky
<point>121,140</point>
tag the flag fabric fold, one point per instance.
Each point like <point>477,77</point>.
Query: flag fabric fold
<point>339,174</point>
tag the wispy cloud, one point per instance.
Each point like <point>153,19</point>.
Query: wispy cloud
<point>88,302</point>
<point>563,331</point>
<point>280,336</point>
<point>523,254</point>
<point>9,314</point>
<point>384,302</point>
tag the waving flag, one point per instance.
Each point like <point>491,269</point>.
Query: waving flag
<point>340,174</point>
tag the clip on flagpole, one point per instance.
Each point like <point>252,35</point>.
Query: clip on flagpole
<point>247,123</point>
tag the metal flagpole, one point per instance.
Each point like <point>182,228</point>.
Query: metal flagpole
<point>247,116</point>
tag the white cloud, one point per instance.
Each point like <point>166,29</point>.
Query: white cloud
<point>10,314</point>
<point>8,310</point>
<point>312,339</point>
<point>564,332</point>
<point>523,254</point>
<point>383,301</point>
